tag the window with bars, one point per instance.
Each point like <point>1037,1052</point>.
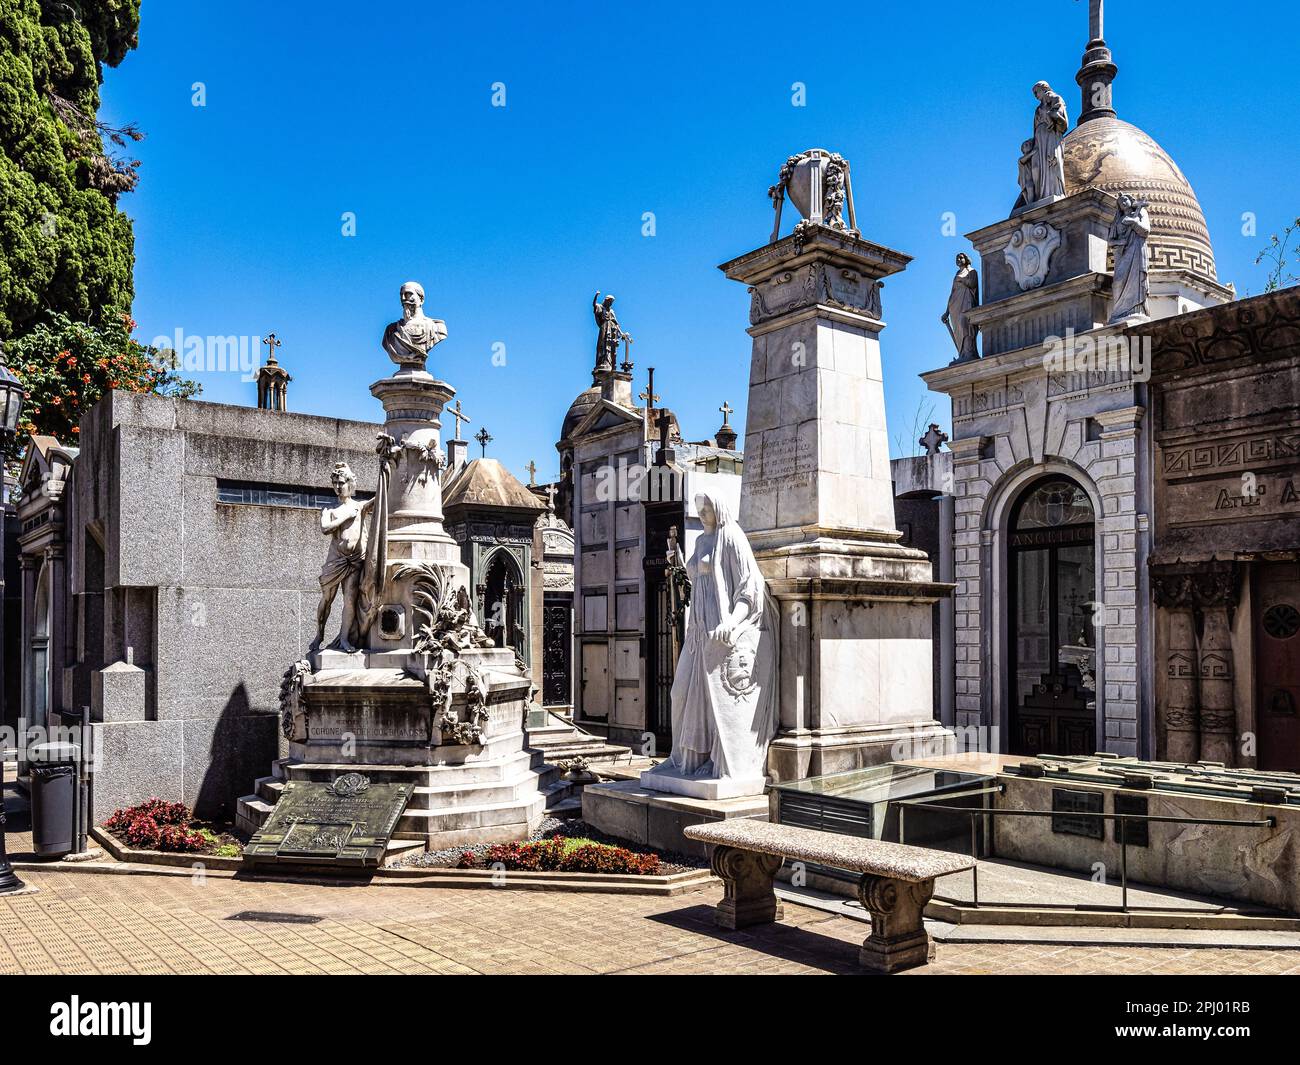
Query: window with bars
<point>262,494</point>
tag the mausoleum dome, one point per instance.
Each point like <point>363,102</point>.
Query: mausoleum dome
<point>579,409</point>
<point>1110,154</point>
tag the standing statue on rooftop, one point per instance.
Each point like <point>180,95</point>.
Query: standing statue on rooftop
<point>1042,164</point>
<point>409,340</point>
<point>1128,240</point>
<point>610,333</point>
<point>964,296</point>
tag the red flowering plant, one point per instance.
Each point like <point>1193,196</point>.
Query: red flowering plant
<point>559,854</point>
<point>156,824</point>
<point>67,366</point>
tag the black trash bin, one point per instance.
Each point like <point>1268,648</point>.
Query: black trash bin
<point>53,769</point>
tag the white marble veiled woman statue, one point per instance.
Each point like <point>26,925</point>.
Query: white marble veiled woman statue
<point>724,692</point>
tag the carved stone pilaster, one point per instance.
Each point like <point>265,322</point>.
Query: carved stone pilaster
<point>1198,713</point>
<point>748,897</point>
<point>1218,702</point>
<point>898,937</point>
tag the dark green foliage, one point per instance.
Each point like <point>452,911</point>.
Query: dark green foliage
<point>64,245</point>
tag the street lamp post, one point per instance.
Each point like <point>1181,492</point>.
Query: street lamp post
<point>11,406</point>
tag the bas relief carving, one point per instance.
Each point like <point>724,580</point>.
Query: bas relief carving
<point>1029,253</point>
<point>811,285</point>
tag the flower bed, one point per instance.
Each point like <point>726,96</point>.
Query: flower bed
<point>563,855</point>
<point>158,825</point>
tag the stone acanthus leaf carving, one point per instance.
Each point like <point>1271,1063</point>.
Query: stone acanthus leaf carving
<point>454,728</point>
<point>293,717</point>
<point>444,615</point>
<point>1029,253</point>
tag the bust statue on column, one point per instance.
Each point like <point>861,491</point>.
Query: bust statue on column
<point>409,340</point>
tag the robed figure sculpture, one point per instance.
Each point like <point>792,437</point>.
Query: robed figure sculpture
<point>1128,240</point>
<point>962,299</point>
<point>1042,163</point>
<point>724,709</point>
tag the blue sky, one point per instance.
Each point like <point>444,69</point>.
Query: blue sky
<point>512,217</point>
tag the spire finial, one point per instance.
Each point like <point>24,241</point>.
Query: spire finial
<point>1098,69</point>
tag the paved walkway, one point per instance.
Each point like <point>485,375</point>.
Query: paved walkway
<point>81,922</point>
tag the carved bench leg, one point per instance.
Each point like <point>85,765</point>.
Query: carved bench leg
<point>747,878</point>
<point>898,937</point>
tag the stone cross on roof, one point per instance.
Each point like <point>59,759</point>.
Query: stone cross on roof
<point>456,413</point>
<point>933,440</point>
<point>550,497</point>
<point>271,343</point>
<point>532,472</point>
<point>727,411</point>
<point>484,438</point>
<point>648,393</point>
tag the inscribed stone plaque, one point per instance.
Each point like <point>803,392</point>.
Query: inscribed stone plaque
<point>346,822</point>
<point>1138,831</point>
<point>1066,801</point>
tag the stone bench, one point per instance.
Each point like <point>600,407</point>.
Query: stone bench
<point>897,881</point>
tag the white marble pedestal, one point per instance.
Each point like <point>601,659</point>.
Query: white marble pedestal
<point>817,503</point>
<point>703,787</point>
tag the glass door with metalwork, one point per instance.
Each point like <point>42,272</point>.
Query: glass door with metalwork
<point>1052,571</point>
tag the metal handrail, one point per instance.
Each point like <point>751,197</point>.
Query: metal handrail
<point>1123,819</point>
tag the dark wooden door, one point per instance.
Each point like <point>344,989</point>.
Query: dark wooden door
<point>557,653</point>
<point>1277,665</point>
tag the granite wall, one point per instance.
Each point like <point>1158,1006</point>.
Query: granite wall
<point>214,599</point>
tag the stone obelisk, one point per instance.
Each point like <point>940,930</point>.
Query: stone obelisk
<point>817,498</point>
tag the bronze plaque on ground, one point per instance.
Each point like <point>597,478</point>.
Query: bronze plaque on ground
<point>346,823</point>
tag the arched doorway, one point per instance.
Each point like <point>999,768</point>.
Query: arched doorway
<point>1053,635</point>
<point>503,604</point>
<point>38,657</point>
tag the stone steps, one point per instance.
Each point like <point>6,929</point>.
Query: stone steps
<point>459,805</point>
<point>451,796</point>
<point>474,815</point>
<point>596,752</point>
<point>268,789</point>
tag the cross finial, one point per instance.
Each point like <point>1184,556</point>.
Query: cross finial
<point>934,439</point>
<point>1098,69</point>
<point>627,354</point>
<point>532,472</point>
<point>727,411</point>
<point>459,415</point>
<point>484,438</point>
<point>648,393</point>
<point>550,497</point>
<point>271,343</point>
<point>663,424</point>
<point>1096,20</point>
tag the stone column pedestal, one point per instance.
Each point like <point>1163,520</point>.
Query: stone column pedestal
<point>817,504</point>
<point>747,878</point>
<point>413,401</point>
<point>898,937</point>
